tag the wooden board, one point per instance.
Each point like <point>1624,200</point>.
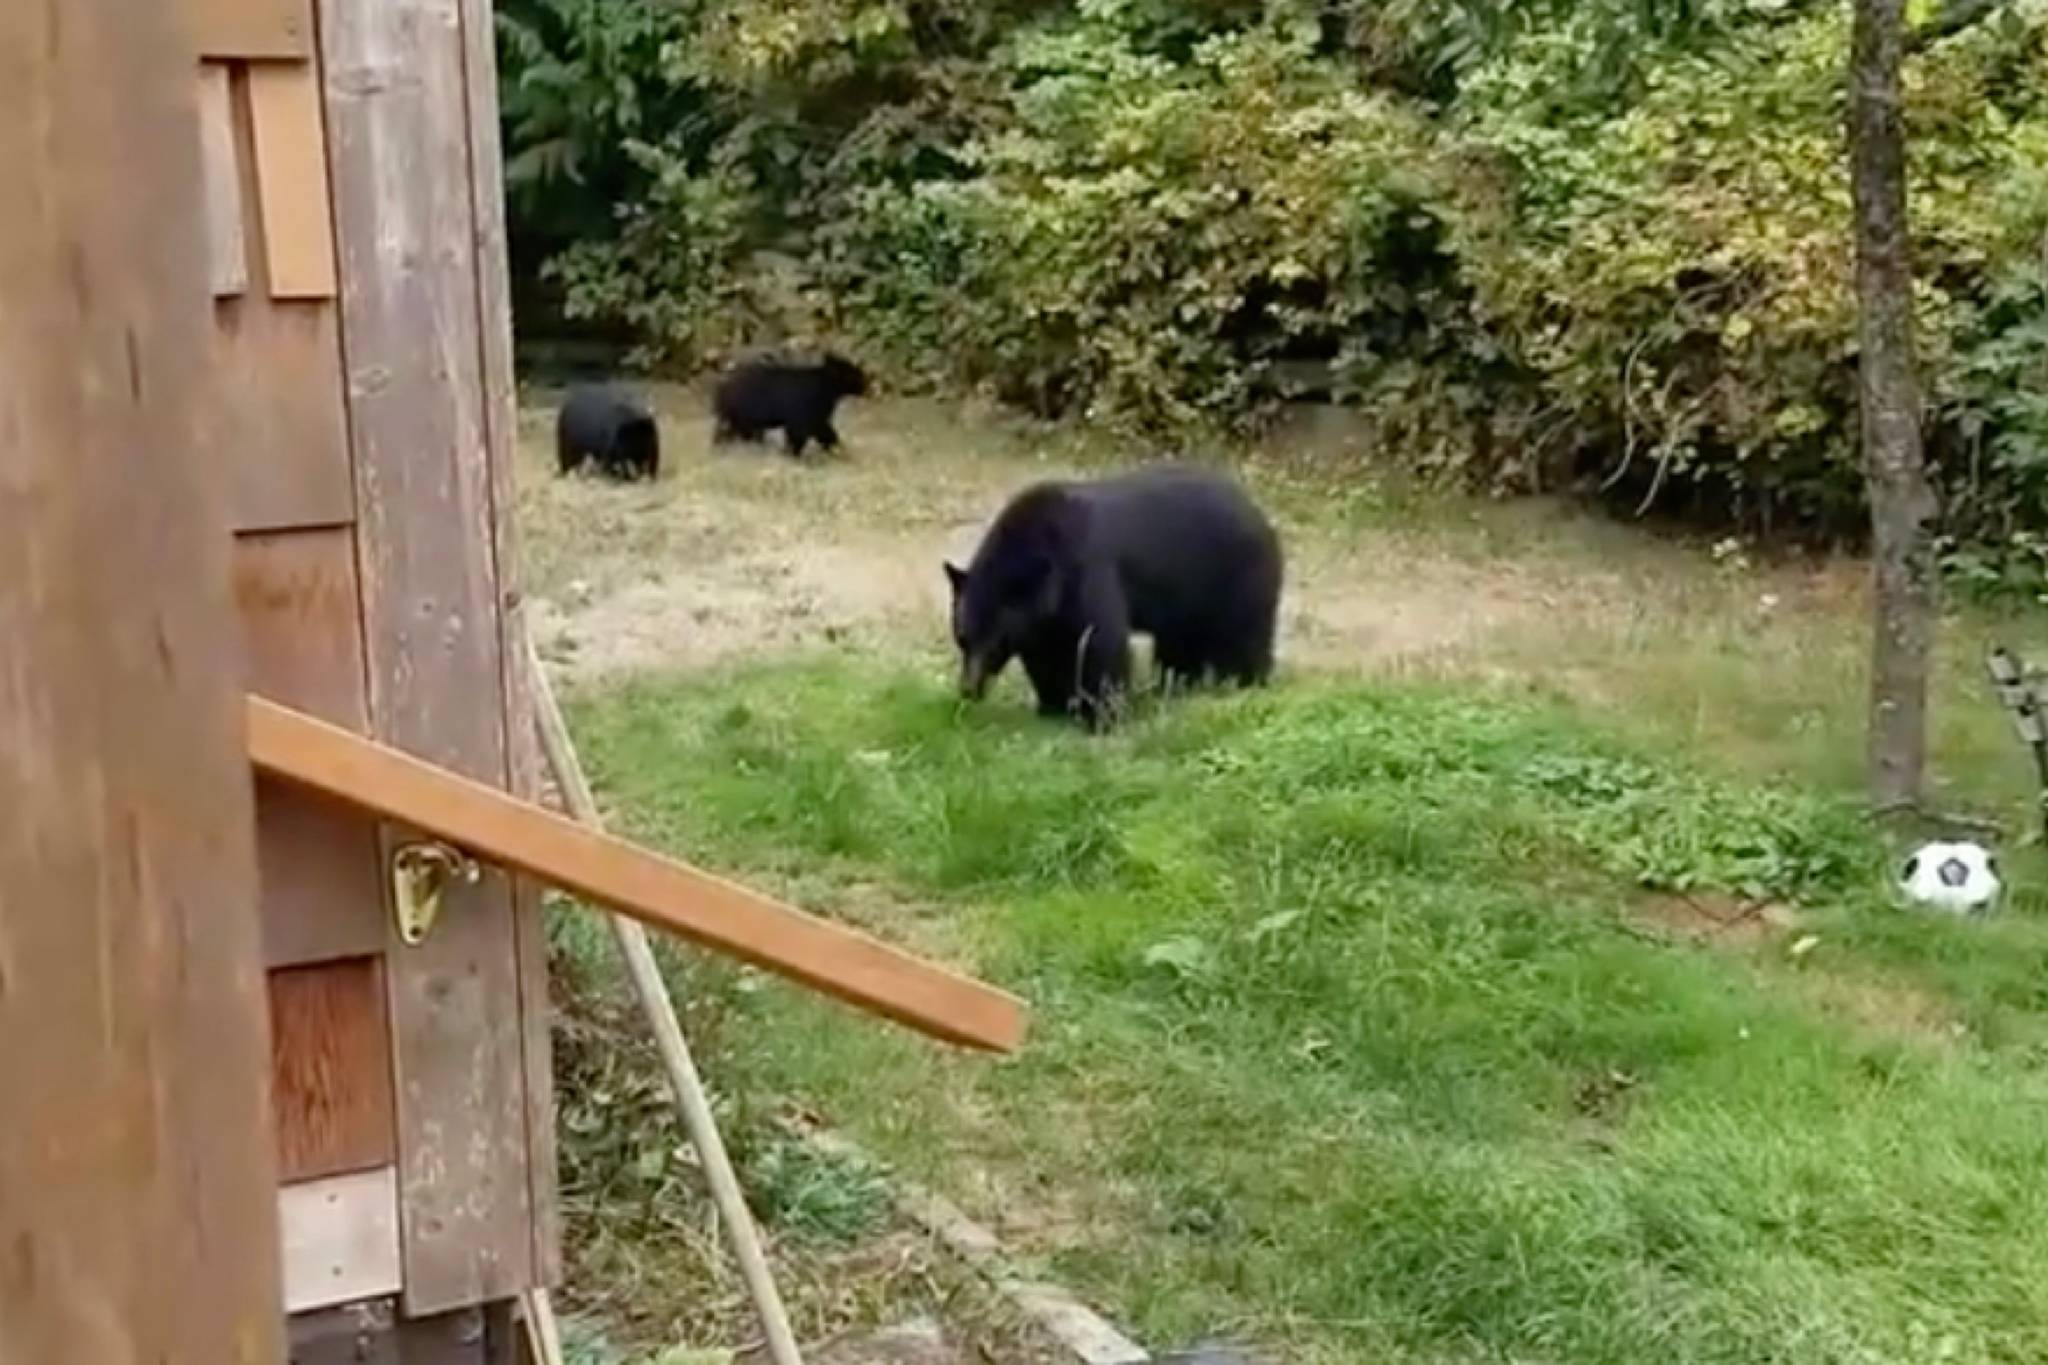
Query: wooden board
<point>398,137</point>
<point>302,631</point>
<point>657,891</point>
<point>372,1333</point>
<point>330,1075</point>
<point>478,1336</point>
<point>249,28</point>
<point>291,179</point>
<point>277,386</point>
<point>340,1239</point>
<point>323,896</point>
<point>501,434</point>
<point>364,1333</point>
<point>137,1214</point>
<point>227,246</point>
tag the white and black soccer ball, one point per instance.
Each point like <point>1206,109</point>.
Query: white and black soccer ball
<point>1959,878</point>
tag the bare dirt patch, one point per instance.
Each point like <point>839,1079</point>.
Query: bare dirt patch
<point>741,552</point>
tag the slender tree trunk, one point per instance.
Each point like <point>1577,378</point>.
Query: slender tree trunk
<point>1902,505</point>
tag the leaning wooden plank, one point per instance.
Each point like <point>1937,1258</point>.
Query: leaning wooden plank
<point>670,895</point>
<point>692,1101</point>
<point>291,179</point>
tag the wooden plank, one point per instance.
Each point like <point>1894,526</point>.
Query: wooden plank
<point>302,630</point>
<point>323,895</point>
<point>693,1104</point>
<point>275,29</point>
<point>137,1220</point>
<point>330,1074</point>
<point>277,412</point>
<point>227,246</point>
<point>501,435</point>
<point>372,1333</point>
<point>398,134</point>
<point>364,1333</point>
<point>657,891</point>
<point>291,179</point>
<point>530,946</point>
<point>482,1335</point>
<point>340,1239</point>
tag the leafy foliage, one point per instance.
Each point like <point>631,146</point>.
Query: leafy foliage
<point>1604,241</point>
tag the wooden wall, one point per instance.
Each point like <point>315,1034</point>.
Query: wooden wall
<point>137,1205</point>
<point>362,396</point>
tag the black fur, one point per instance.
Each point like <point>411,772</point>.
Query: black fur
<point>1069,571</point>
<point>760,396</point>
<point>604,423</point>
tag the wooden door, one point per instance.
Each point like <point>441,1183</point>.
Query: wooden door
<point>361,386</point>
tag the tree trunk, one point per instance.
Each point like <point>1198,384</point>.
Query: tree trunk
<point>1902,506</point>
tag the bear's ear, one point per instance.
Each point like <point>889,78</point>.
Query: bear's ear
<point>955,576</point>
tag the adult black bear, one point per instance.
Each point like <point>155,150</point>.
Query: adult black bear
<point>603,422</point>
<point>760,396</point>
<point>1070,570</point>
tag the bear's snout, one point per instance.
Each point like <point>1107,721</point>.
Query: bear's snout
<point>973,677</point>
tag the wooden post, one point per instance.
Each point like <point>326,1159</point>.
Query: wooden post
<point>398,133</point>
<point>138,1217</point>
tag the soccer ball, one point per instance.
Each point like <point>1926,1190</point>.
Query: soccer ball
<point>1960,878</point>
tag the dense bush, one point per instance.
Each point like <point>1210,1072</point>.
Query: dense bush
<point>1607,241</point>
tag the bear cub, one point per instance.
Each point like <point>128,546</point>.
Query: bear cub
<point>759,396</point>
<point>1069,571</point>
<point>604,423</point>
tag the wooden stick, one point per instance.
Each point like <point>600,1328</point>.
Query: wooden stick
<point>543,1336</point>
<point>668,894</point>
<point>688,1087</point>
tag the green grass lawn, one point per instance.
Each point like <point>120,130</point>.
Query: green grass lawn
<point>1368,1025</point>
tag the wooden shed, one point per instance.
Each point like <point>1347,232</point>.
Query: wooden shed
<point>361,387</point>
<point>284,327</point>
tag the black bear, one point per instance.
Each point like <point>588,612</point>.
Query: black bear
<point>604,423</point>
<point>1069,571</point>
<point>760,396</point>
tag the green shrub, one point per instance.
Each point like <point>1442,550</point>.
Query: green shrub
<point>1603,242</point>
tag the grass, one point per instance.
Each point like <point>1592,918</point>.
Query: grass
<point>1362,1027</point>
<point>1384,1016</point>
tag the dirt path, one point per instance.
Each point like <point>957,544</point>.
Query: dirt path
<point>741,552</point>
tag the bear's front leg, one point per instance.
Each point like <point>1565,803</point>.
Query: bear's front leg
<point>1050,666</point>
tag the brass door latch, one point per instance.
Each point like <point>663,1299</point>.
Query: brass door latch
<point>419,873</point>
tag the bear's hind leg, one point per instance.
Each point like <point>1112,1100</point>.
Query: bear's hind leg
<point>1180,666</point>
